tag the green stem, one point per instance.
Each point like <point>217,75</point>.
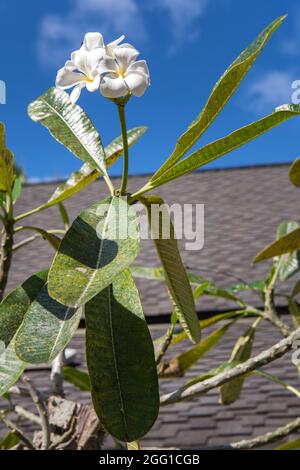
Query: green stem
<point>109,184</point>
<point>32,212</point>
<point>121,110</point>
<point>6,248</point>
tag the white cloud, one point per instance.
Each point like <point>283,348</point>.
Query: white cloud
<point>59,34</point>
<point>273,89</point>
<point>183,13</point>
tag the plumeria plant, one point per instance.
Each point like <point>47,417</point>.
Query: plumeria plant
<point>92,272</point>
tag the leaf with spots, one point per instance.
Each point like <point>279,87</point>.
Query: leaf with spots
<point>47,328</point>
<point>69,124</point>
<point>121,362</point>
<point>102,242</point>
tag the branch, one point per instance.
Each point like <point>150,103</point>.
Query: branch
<point>27,415</point>
<point>268,438</point>
<point>18,432</point>
<point>43,412</point>
<point>57,375</point>
<point>5,254</point>
<point>278,350</point>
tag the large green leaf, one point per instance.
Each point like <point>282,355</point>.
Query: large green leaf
<point>7,172</point>
<point>180,364</point>
<point>221,93</point>
<point>287,264</point>
<point>13,308</point>
<point>121,362</point>
<point>227,144</point>
<point>69,124</point>
<point>286,244</point>
<point>163,235</point>
<point>295,173</point>
<point>87,174</point>
<point>101,243</point>
<point>47,328</point>
<point>11,368</point>
<point>230,391</point>
<point>79,379</point>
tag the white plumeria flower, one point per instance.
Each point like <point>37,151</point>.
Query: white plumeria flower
<point>122,74</point>
<point>82,70</point>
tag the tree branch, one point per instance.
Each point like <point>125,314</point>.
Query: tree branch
<point>18,432</point>
<point>269,437</point>
<point>5,254</point>
<point>265,357</point>
<point>43,412</point>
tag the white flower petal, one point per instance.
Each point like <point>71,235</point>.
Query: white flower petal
<point>94,85</point>
<point>93,60</point>
<point>112,45</point>
<point>137,83</point>
<point>113,87</point>
<point>125,55</point>
<point>139,66</point>
<point>79,59</point>
<point>67,78</point>
<point>107,65</point>
<point>75,94</point>
<point>92,41</point>
<point>69,65</point>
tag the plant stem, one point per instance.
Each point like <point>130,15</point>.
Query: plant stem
<point>7,241</point>
<point>109,184</point>
<point>121,110</point>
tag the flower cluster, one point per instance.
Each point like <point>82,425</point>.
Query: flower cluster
<point>113,69</point>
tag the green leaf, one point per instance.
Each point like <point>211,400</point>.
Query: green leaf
<point>17,188</point>
<point>69,124</point>
<point>286,244</point>
<point>87,174</point>
<point>77,378</point>
<point>294,173</point>
<point>121,363</point>
<point>115,149</point>
<point>227,144</point>
<point>230,391</point>
<point>221,93</point>
<point>278,381</point>
<point>101,243</point>
<point>7,172</point>
<point>183,362</point>
<point>47,328</point>
<point>158,274</point>
<point>11,368</point>
<point>291,445</point>
<point>287,264</point>
<point>209,322</point>
<point>9,441</point>
<point>175,273</point>
<point>13,308</point>
<point>294,311</point>
<point>240,287</point>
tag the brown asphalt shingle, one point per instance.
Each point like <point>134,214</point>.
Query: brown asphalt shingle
<point>242,210</point>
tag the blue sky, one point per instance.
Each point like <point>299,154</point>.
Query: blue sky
<point>187,44</point>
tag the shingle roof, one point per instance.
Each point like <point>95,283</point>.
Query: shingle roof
<point>242,210</point>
